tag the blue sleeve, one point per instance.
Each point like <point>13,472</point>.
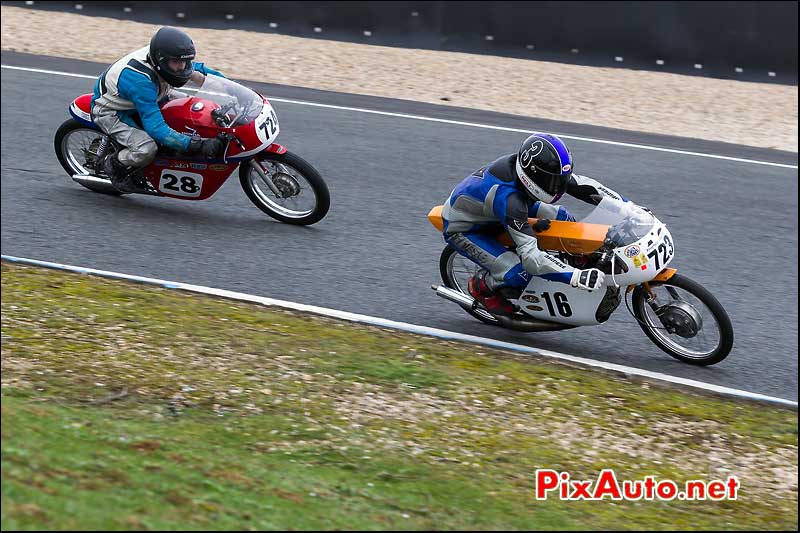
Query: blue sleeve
<point>143,93</point>
<point>95,92</point>
<point>203,69</point>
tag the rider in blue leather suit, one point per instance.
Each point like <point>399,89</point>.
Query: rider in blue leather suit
<point>501,196</point>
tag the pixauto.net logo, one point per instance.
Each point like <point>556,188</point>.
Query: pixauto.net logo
<point>607,486</point>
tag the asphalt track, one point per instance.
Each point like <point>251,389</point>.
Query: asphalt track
<point>734,223</point>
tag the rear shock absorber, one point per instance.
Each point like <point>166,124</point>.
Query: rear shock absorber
<point>96,151</point>
<point>102,147</point>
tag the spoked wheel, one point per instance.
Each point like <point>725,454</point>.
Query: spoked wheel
<point>456,271</point>
<point>286,187</point>
<point>685,320</point>
<point>77,147</point>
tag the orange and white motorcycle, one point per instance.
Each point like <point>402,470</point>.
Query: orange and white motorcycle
<point>633,248</point>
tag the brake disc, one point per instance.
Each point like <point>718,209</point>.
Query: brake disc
<point>681,319</point>
<point>286,184</point>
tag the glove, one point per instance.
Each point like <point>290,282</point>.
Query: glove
<point>543,224</point>
<point>208,148</point>
<point>589,279</point>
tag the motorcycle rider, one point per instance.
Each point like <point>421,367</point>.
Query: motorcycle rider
<point>502,195</point>
<point>126,99</point>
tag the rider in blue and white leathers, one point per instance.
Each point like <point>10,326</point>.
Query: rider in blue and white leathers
<point>126,99</point>
<point>501,196</point>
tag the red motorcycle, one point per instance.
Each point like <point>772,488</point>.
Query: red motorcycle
<point>278,182</point>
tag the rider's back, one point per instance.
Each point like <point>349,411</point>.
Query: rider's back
<point>113,88</point>
<point>481,198</point>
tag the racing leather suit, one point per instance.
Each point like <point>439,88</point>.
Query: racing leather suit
<point>125,105</point>
<point>490,200</point>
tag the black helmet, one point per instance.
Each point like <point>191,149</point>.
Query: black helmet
<point>171,43</point>
<point>544,167</point>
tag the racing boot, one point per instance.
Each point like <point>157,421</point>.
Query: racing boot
<point>494,302</point>
<point>121,176</point>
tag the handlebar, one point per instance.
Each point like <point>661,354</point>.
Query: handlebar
<point>220,114</point>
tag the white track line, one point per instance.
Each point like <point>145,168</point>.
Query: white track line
<point>411,328</point>
<point>461,123</point>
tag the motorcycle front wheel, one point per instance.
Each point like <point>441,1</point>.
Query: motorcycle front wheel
<point>684,319</point>
<point>286,187</point>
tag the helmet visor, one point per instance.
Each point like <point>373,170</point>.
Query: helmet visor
<point>177,65</point>
<point>553,184</point>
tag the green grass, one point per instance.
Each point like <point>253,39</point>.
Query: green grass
<point>129,407</point>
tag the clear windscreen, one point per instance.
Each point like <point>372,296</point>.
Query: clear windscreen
<point>628,222</point>
<point>238,105</point>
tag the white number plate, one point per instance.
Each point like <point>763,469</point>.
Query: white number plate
<point>267,124</point>
<point>178,182</point>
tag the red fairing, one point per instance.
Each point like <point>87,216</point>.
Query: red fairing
<point>186,115</point>
<point>250,137</point>
<point>193,114</point>
<point>81,108</point>
<point>84,103</point>
<point>188,179</point>
<point>276,149</point>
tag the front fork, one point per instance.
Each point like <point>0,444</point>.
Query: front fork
<point>256,165</point>
<point>651,298</point>
<point>661,310</point>
<point>664,275</point>
<point>276,149</point>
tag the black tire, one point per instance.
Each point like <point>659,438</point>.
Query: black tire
<point>444,264</point>
<point>720,315</point>
<point>309,173</point>
<point>66,128</point>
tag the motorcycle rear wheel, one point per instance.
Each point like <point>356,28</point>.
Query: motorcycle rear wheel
<point>702,304</point>
<point>456,271</point>
<point>71,143</point>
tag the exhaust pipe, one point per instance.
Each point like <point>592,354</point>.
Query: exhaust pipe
<point>530,324</point>
<point>104,185</point>
<point>100,184</point>
<point>525,325</point>
<point>464,300</point>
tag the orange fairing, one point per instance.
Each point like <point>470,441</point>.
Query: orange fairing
<point>435,216</point>
<point>665,274</point>
<point>572,237</point>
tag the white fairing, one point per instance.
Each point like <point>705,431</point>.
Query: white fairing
<point>560,302</point>
<point>645,247</point>
<point>655,251</point>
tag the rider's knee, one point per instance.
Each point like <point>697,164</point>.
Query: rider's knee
<point>143,153</point>
<point>516,277</point>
